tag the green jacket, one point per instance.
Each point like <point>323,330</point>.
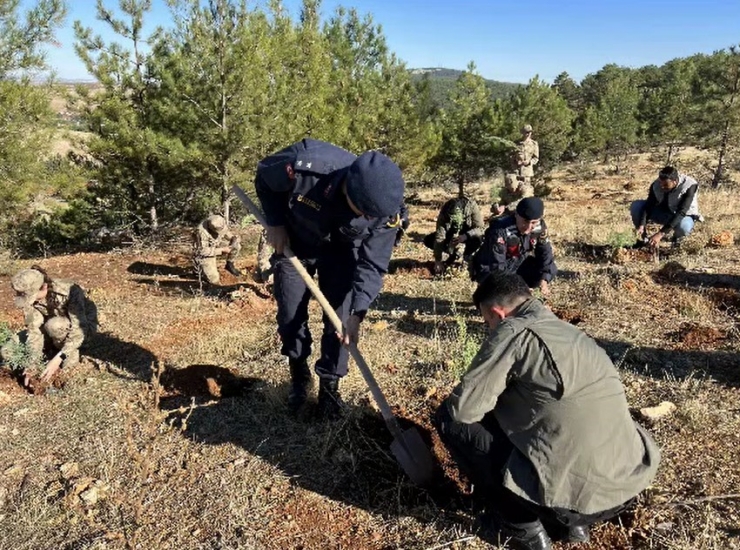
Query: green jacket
<point>457,217</point>
<point>559,399</point>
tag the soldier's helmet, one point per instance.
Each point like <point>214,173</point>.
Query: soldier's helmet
<point>26,284</point>
<point>215,223</point>
<point>527,129</point>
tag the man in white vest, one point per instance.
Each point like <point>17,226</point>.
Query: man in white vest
<point>672,202</point>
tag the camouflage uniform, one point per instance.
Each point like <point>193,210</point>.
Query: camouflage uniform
<point>457,217</point>
<point>208,237</point>
<point>264,253</point>
<point>61,321</point>
<point>518,184</point>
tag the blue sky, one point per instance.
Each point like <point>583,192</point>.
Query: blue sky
<point>508,40</point>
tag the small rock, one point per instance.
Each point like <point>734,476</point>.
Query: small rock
<point>379,326</point>
<point>69,470</point>
<point>90,496</point>
<point>12,470</point>
<point>653,414</point>
<point>665,526</point>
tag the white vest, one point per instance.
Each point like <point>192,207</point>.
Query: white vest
<point>675,195</point>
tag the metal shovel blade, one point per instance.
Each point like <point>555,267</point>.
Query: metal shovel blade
<point>414,456</point>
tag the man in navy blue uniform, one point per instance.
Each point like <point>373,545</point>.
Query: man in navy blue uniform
<point>340,214</point>
<point>518,243</point>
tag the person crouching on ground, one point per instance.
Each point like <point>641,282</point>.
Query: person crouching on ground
<point>540,424</point>
<point>58,318</point>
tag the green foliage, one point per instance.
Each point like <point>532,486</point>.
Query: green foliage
<point>468,130</point>
<point>441,82</point>
<point>22,36</point>
<point>465,347</point>
<point>16,354</point>
<point>609,122</point>
<point>623,239</point>
<point>540,105</point>
<point>24,107</point>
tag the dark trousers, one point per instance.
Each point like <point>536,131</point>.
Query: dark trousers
<point>335,273</point>
<point>530,272</point>
<point>481,451</point>
<point>471,244</point>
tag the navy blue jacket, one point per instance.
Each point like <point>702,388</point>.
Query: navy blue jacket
<point>300,187</point>
<point>505,249</point>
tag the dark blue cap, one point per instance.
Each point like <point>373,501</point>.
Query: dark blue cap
<point>375,185</point>
<point>530,208</point>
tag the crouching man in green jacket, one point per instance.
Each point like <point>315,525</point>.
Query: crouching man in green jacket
<point>540,424</point>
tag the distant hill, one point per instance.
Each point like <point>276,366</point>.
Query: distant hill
<point>442,80</point>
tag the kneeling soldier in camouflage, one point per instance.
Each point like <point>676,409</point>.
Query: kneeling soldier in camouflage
<point>208,237</point>
<point>459,222</point>
<point>58,317</point>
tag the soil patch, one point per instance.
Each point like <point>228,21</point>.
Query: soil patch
<point>204,381</point>
<point>409,266</point>
<point>572,316</point>
<point>695,337</point>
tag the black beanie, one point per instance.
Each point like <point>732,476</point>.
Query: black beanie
<point>530,208</point>
<point>375,185</point>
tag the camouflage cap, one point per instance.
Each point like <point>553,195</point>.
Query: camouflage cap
<point>527,128</point>
<point>216,222</point>
<point>26,284</point>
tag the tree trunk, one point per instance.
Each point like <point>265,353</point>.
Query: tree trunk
<point>226,197</point>
<point>717,179</point>
<point>461,187</point>
<point>670,154</point>
<point>153,219</point>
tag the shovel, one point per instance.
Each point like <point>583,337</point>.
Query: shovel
<point>407,446</point>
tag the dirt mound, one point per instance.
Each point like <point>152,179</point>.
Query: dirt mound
<point>726,300</point>
<point>9,385</point>
<point>204,381</point>
<point>12,384</point>
<point>695,337</point>
<point>569,315</point>
<point>628,255</point>
<point>408,266</point>
<point>722,239</point>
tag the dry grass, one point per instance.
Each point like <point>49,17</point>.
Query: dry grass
<point>201,452</point>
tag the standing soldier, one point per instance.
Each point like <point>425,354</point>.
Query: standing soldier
<point>518,243</point>
<point>340,214</point>
<point>459,222</point>
<point>58,318</point>
<point>518,184</point>
<point>209,235</point>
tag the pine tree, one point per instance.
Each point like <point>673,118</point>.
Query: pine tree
<point>26,115</point>
<point>541,106</point>
<point>468,130</point>
<point>137,163</point>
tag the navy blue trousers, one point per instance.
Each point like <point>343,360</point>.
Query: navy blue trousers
<point>335,272</point>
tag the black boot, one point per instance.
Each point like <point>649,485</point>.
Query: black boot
<point>330,402</point>
<point>300,381</point>
<point>231,268</point>
<point>525,536</point>
<point>577,533</point>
